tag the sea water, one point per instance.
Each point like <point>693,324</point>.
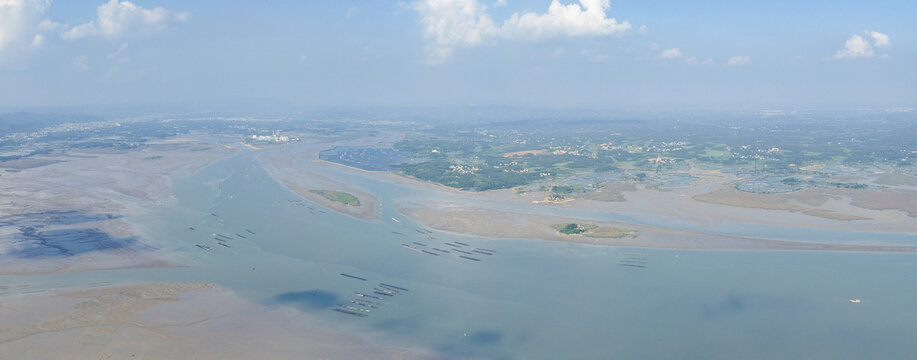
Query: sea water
<point>529,299</point>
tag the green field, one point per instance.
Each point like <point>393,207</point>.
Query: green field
<point>338,196</point>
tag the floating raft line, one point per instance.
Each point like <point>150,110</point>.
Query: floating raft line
<point>441,250</point>
<point>250,232</point>
<point>461,243</point>
<point>348,312</point>
<point>369,296</point>
<point>386,290</point>
<point>462,251</point>
<point>469,258</point>
<point>352,277</point>
<point>224,244</point>
<point>636,254</point>
<point>368,303</point>
<point>409,247</point>
<point>205,247</point>
<point>487,250</point>
<point>241,236</point>
<point>348,307</point>
<point>481,252</point>
<point>632,265</point>
<point>633,261</point>
<point>452,245</point>
<point>430,252</point>
<point>393,287</point>
<point>418,243</point>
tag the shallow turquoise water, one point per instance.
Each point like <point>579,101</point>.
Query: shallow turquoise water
<point>530,299</point>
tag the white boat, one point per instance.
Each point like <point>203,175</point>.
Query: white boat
<point>855,301</point>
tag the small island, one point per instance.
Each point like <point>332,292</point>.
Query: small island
<point>593,231</point>
<point>338,196</point>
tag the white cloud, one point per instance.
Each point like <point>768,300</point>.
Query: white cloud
<point>450,24</point>
<point>37,41</point>
<point>117,55</point>
<point>500,3</point>
<point>672,53</point>
<point>18,22</point>
<point>352,11</point>
<point>857,47</point>
<point>81,63</point>
<point>739,60</point>
<point>880,40</point>
<point>48,25</point>
<point>594,57</point>
<point>117,19</point>
<point>564,20</point>
<point>676,54</point>
<point>643,29</point>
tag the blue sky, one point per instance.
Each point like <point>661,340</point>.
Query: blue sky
<point>565,53</point>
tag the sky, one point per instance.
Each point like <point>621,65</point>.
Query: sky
<point>524,53</point>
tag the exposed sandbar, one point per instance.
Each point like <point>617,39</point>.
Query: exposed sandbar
<point>171,321</point>
<point>482,222</point>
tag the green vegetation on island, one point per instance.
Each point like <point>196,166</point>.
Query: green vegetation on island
<point>338,196</point>
<point>593,231</point>
<point>571,228</point>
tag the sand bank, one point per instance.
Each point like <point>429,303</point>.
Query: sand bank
<point>298,173</point>
<point>170,321</point>
<point>69,215</point>
<point>461,219</point>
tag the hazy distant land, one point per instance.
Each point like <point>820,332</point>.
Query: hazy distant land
<point>67,208</point>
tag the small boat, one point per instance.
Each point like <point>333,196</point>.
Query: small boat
<point>396,220</point>
<point>191,228</point>
<point>855,301</point>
